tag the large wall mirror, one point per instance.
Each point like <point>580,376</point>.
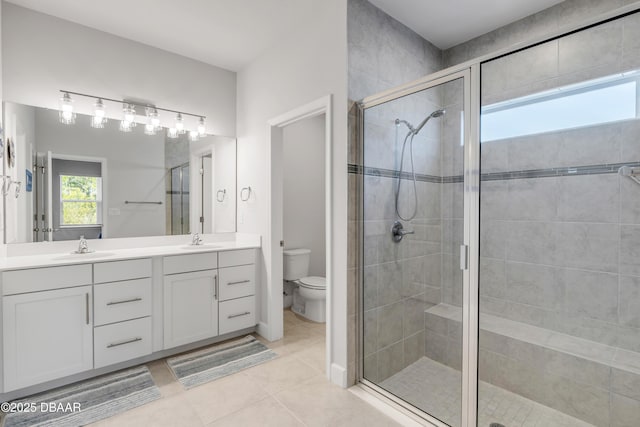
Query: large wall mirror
<point>67,180</point>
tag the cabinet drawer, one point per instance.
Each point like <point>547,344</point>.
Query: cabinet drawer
<point>237,314</point>
<point>236,282</point>
<point>122,341</point>
<point>43,279</point>
<point>239,257</point>
<point>191,262</point>
<point>119,301</point>
<point>115,271</point>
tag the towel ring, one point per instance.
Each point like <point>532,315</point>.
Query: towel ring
<point>6,184</point>
<point>18,187</point>
<point>221,198</point>
<point>247,191</point>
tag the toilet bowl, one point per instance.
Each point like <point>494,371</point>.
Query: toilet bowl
<point>310,294</point>
<point>309,299</point>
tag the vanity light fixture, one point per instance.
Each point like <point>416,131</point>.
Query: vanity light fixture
<point>152,125</point>
<point>99,118</point>
<point>128,118</point>
<point>202,129</point>
<point>66,114</point>
<point>180,124</point>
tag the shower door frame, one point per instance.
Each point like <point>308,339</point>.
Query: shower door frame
<point>471,243</point>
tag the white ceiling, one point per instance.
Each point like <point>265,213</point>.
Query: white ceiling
<point>225,33</point>
<point>446,23</point>
<point>232,33</point>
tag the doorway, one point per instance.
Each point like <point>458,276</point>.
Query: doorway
<point>272,326</point>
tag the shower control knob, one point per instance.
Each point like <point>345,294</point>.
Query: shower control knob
<point>398,231</point>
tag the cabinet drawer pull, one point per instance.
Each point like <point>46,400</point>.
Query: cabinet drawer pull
<point>231,316</point>
<point>238,283</point>
<point>117,344</point>
<point>86,304</point>
<point>124,301</point>
<point>215,292</point>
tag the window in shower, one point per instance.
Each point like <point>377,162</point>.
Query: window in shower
<point>590,103</point>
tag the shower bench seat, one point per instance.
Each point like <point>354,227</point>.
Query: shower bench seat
<point>585,379</point>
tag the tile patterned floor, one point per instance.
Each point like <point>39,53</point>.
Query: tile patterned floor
<point>290,390</point>
<point>435,388</point>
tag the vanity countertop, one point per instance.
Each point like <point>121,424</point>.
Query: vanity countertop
<point>68,258</point>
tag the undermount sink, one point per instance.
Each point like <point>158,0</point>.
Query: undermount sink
<point>202,246</point>
<point>88,255</point>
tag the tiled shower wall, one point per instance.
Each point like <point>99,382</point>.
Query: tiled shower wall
<point>383,54</point>
<point>561,251</point>
<point>551,20</point>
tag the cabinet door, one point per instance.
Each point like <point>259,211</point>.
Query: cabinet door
<point>190,307</point>
<point>47,335</point>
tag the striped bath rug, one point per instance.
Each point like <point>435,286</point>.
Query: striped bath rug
<point>202,366</point>
<point>88,401</point>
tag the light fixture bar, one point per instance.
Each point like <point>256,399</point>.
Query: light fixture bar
<point>121,101</point>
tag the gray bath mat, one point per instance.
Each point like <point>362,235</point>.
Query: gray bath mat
<point>97,398</point>
<point>202,366</point>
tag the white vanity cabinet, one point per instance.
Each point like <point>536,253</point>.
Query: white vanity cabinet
<point>190,298</point>
<point>208,294</point>
<point>47,334</point>
<point>123,307</point>
<point>237,289</point>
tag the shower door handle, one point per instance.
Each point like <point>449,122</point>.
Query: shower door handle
<point>464,257</point>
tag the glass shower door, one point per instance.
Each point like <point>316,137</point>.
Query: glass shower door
<point>412,230</point>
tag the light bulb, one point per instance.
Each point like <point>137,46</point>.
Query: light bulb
<point>126,126</point>
<point>99,115</point>
<point>193,135</point>
<point>153,121</point>
<point>66,114</point>
<point>180,124</point>
<point>129,114</point>
<point>202,130</point>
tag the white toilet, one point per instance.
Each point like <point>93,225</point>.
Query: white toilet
<point>309,297</point>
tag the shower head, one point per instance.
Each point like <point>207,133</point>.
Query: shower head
<point>434,115</point>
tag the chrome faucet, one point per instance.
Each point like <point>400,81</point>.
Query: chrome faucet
<point>83,246</point>
<point>196,240</point>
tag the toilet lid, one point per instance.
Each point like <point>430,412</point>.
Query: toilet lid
<point>313,282</point>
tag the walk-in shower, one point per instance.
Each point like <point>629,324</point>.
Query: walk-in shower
<point>513,295</point>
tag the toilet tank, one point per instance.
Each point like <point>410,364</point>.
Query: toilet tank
<point>296,263</point>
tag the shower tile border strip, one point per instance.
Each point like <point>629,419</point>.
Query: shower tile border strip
<point>496,176</point>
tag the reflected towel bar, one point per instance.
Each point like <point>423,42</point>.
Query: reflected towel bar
<point>631,172</point>
<point>127,202</point>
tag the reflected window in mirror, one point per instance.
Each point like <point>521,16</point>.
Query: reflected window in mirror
<point>80,200</point>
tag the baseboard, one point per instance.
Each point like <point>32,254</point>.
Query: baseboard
<point>338,375</point>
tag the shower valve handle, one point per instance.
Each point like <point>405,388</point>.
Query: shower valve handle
<point>398,231</point>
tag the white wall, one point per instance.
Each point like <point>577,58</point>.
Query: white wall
<point>304,67</point>
<point>304,190</point>
<point>135,168</point>
<point>21,129</point>
<point>43,54</point>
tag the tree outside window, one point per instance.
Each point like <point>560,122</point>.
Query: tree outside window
<point>80,200</point>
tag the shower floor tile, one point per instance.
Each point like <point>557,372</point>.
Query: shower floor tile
<point>436,389</point>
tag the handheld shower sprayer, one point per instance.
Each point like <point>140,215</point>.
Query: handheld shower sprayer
<point>410,135</point>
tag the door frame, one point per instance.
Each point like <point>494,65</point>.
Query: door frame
<point>471,223</point>
<point>273,328</point>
